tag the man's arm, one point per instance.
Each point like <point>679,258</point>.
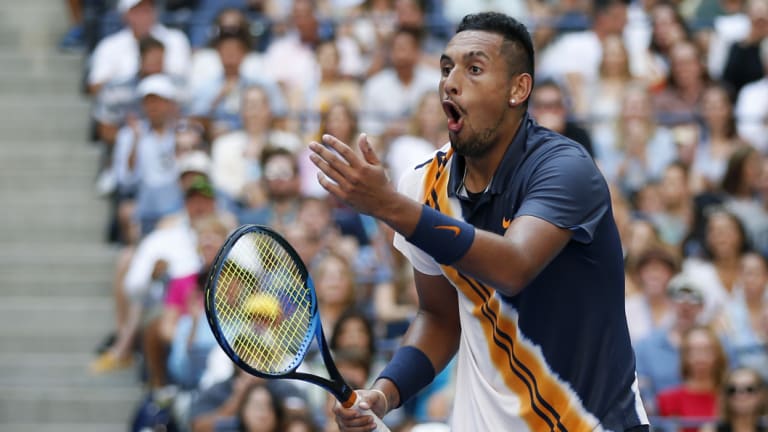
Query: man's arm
<point>435,330</point>
<point>507,263</point>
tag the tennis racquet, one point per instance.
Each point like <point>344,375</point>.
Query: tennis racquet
<point>261,305</point>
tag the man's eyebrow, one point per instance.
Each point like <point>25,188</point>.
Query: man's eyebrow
<point>445,58</point>
<point>475,53</point>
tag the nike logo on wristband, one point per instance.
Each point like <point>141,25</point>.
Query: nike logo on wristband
<point>452,228</point>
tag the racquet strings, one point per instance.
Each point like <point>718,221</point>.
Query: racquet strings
<point>263,305</point>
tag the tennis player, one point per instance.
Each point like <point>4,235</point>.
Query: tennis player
<point>517,259</point>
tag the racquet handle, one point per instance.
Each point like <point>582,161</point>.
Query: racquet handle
<point>380,426</point>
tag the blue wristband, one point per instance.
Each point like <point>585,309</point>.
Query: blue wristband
<point>410,370</point>
<point>444,238</point>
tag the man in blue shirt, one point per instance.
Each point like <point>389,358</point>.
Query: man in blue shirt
<point>516,256</point>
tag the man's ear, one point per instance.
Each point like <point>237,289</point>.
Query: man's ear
<point>520,89</point>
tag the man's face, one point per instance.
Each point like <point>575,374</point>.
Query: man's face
<point>548,109</point>
<point>231,52</point>
<point>475,89</point>
<point>405,51</point>
<point>152,62</point>
<point>140,18</point>
<point>158,109</point>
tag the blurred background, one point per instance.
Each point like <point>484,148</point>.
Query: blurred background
<point>136,134</point>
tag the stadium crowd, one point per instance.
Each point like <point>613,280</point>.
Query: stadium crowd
<point>204,109</point>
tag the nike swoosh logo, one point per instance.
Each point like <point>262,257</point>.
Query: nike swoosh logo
<point>505,223</point>
<point>452,228</point>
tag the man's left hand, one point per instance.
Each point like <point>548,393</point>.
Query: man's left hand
<point>361,182</point>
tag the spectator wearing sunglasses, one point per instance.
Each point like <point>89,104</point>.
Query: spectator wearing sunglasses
<point>743,403</point>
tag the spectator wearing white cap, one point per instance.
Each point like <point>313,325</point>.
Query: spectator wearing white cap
<point>116,57</point>
<point>145,149</point>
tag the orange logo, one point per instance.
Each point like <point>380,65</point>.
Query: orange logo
<point>452,228</point>
<point>505,223</point>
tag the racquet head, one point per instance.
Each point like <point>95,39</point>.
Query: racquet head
<point>260,303</point>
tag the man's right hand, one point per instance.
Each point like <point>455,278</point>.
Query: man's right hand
<point>351,420</point>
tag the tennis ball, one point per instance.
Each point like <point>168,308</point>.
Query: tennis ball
<point>264,307</point>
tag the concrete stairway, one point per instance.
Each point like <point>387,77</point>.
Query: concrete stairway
<point>55,268</point>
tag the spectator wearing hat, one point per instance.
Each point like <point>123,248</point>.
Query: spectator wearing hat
<point>116,57</point>
<point>216,102</point>
<point>658,355</point>
<point>166,253</point>
<point>145,149</point>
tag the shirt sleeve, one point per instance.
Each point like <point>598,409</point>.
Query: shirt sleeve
<point>567,190</point>
<point>410,185</point>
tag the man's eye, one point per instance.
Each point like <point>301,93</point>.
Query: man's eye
<point>445,70</point>
<point>475,70</point>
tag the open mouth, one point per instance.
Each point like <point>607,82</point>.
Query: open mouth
<point>455,117</point>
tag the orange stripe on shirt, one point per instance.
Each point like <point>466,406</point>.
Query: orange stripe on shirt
<point>546,403</point>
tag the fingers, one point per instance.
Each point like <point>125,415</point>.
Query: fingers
<point>351,420</point>
<point>367,151</point>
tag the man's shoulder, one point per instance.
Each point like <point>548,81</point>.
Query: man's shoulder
<point>115,40</point>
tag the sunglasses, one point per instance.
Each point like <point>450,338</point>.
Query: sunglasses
<point>750,389</point>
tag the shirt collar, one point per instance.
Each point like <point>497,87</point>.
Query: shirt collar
<point>506,168</point>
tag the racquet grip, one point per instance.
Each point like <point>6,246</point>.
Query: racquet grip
<point>380,426</point>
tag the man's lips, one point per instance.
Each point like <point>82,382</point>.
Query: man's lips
<point>454,114</point>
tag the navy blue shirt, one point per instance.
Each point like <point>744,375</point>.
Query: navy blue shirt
<point>574,309</point>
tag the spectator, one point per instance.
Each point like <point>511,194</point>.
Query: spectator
<point>658,355</point>
<point>338,119</point>
<point>145,149</point>
<point>219,404</point>
<point>118,99</point>
<point>237,155</point>
<point>718,136</point>
<point>335,286</point>
<point>354,331</point>
<point>651,308</point>
<point>677,103</point>
<point>742,403</point>
<point>743,65</point>
<point>668,28</point>
<point>371,30</point>
<point>740,185</point>
<point>716,273</point>
<point>549,108</point>
<point>426,133</point>
<point>675,219</point>
<point>703,364</point>
<point>602,98</point>
<point>752,107</point>
<point>296,423</point>
<point>281,182</point>
<point>182,326</point>
<point>392,94</point>
<point>167,252</point>
<point>332,86</point>
<point>261,410</point>
<point>216,103</point>
<point>638,149</point>
<point>291,57</point>
<point>575,57</point>
<point>116,57</point>
<point>746,315</point>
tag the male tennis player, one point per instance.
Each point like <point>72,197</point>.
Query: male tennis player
<point>517,259</point>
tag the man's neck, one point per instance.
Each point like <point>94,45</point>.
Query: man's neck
<point>405,75</point>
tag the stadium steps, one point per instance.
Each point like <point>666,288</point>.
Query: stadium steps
<point>55,268</point>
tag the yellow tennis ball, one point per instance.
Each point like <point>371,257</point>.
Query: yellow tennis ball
<point>263,306</point>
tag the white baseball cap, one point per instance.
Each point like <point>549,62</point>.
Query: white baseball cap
<point>159,85</point>
<point>124,6</point>
<point>196,161</point>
